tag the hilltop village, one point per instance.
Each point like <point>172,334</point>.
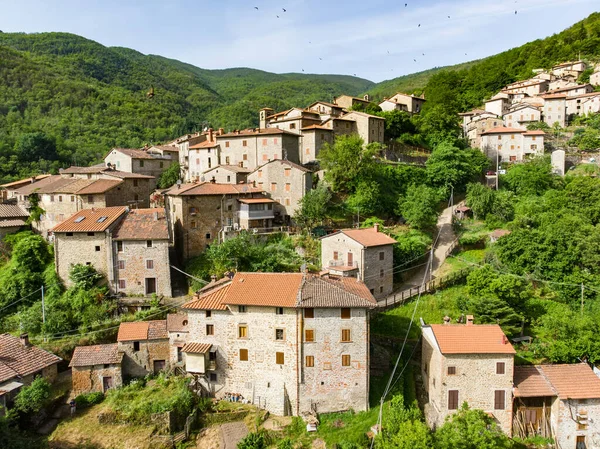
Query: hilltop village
<point>299,343</point>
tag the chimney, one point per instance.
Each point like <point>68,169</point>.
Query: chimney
<point>155,216</point>
<point>470,320</point>
<point>446,319</point>
<point>367,97</point>
<point>213,278</point>
<point>376,227</point>
<point>25,340</point>
<point>213,180</point>
<point>210,134</point>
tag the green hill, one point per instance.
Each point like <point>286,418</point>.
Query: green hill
<point>79,98</point>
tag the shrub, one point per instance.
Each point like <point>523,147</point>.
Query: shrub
<point>33,398</point>
<point>89,399</point>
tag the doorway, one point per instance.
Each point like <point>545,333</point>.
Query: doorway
<point>107,383</point>
<point>150,286</point>
<point>159,365</point>
<point>350,259</point>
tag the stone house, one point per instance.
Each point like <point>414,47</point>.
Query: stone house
<point>202,156</point>
<point>12,219</point>
<point>8,191</point>
<point>183,144</point>
<point>531,87</point>
<point>287,342</point>
<point>369,127</point>
<point>141,161</point>
<point>511,144</point>
<point>499,104</point>
<point>403,102</point>
<point>285,182</point>
<point>178,330</point>
<point>565,398</point>
<point>467,363</point>
<point>200,214</point>
<point>476,122</point>
<point>140,243</point>
<point>292,120</point>
<point>366,254</point>
<point>575,68</point>
<point>326,110</point>
<point>347,101</point>
<point>20,363</point>
<point>96,368</point>
<point>227,174</point>
<point>254,147</point>
<point>583,104</point>
<point>314,138</point>
<point>563,81</point>
<point>595,77</point>
<point>341,126</point>
<point>574,91</point>
<point>555,109</point>
<point>145,347</point>
<point>521,115</point>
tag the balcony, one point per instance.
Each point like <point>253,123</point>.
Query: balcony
<point>256,209</point>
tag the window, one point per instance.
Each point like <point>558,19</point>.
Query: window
<point>279,358</point>
<point>345,313</point>
<point>210,329</point>
<point>242,309</point>
<point>308,151</point>
<point>265,158</point>
<point>310,361</point>
<point>292,126</point>
<point>309,313</point>
<point>346,360</point>
<point>288,187</point>
<point>381,255</point>
<point>243,355</point>
<point>264,142</point>
<point>244,143</point>
<point>499,137</point>
<point>119,247</point>
<point>91,199</point>
<point>90,234</point>
<point>452,399</point>
<point>322,137</point>
<point>533,147</point>
<point>309,335</point>
<point>148,243</point>
<point>228,178</point>
<point>512,137</point>
<point>533,138</point>
<point>499,400</point>
<point>52,198</point>
<point>121,264</point>
<point>242,331</point>
<point>136,346</point>
<point>279,334</point>
<point>245,157</point>
<point>162,164</point>
<point>381,273</point>
<point>208,313</point>
<point>346,335</point>
<point>275,140</point>
<point>336,255</point>
<point>288,202</point>
<point>381,289</point>
<point>150,264</point>
<point>500,146</point>
<point>260,173</point>
<point>141,163</point>
<point>97,248</point>
<point>287,172</point>
<point>227,146</point>
<point>207,236</point>
<point>72,198</point>
<point>326,367</point>
<point>451,370</point>
<point>500,368</point>
<point>209,162</point>
<point>512,147</point>
<point>193,224</point>
<point>273,186</point>
<point>213,377</point>
<point>279,310</point>
<point>135,183</point>
<point>60,198</point>
<point>122,284</point>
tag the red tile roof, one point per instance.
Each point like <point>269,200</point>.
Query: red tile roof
<point>196,348</point>
<point>125,175</point>
<point>17,359</point>
<point>366,237</point>
<point>211,299</point>
<point>256,200</point>
<point>256,132</point>
<point>12,223</point>
<point>471,339</point>
<point>534,132</point>
<point>529,382</point>
<point>157,330</point>
<point>231,168</point>
<point>25,181</point>
<point>143,330</point>
<point>99,186</point>
<point>91,220</point>
<point>205,144</point>
<point>96,355</point>
<point>568,88</point>
<point>209,188</point>
<point>143,224</point>
<point>576,381</point>
<point>553,96</point>
<point>177,322</point>
<point>264,289</point>
<point>133,153</point>
<point>334,292</point>
<point>502,130</point>
<point>12,211</point>
<point>316,127</point>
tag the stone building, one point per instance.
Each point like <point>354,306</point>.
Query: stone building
<point>8,191</point>
<point>595,77</point>
<point>567,397</point>
<point>144,162</point>
<point>369,127</point>
<point>511,144</point>
<point>555,109</point>
<point>348,101</point>
<point>583,104</point>
<point>96,368</point>
<point>145,347</point>
<point>20,364</point>
<point>227,174</point>
<point>253,147</point>
<point>326,110</point>
<point>530,87</point>
<point>129,247</point>
<point>364,253</point>
<point>576,90</point>
<point>403,102</point>
<point>574,68</point>
<point>499,104</point>
<point>199,213</point>
<point>12,219</point>
<point>178,330</point>
<point>285,182</point>
<point>292,120</point>
<point>289,343</point>
<point>476,122</point>
<point>520,115</point>
<point>141,243</point>
<point>467,363</point>
<point>314,138</point>
<point>202,156</point>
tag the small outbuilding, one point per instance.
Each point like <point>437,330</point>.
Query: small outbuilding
<point>96,368</point>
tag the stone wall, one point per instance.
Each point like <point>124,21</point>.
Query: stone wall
<point>378,274</point>
<point>81,248</point>
<point>564,422</point>
<point>140,363</point>
<point>311,142</point>
<point>87,379</point>
<point>255,150</point>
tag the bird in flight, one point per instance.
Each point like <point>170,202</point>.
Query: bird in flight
<point>515,12</point>
<point>448,16</point>
<point>278,17</point>
<point>320,59</point>
<point>256,7</point>
<point>405,5</point>
<point>284,10</point>
<point>415,60</point>
<point>423,54</point>
<point>419,26</point>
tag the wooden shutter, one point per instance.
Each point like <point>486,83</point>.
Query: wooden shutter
<point>451,370</point>
<point>346,335</point>
<point>279,358</point>
<point>345,313</point>
<point>244,355</point>
<point>499,400</point>
<point>452,399</point>
<point>310,361</point>
<point>345,360</point>
<point>309,313</point>
<point>500,368</point>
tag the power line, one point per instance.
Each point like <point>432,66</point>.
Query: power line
<point>19,300</point>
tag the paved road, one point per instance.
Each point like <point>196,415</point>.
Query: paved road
<point>444,241</point>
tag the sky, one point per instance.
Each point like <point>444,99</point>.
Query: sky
<point>372,39</point>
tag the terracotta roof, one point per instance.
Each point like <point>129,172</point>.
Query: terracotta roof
<point>497,233</point>
<point>177,322</point>
<point>209,188</point>
<point>143,330</point>
<point>331,105</point>
<point>12,211</point>
<point>12,223</point>
<point>91,220</point>
<point>264,289</point>
<point>64,185</point>
<point>568,88</point>
<point>566,64</point>
<point>363,114</point>
<point>99,186</point>
<point>256,200</point>
<point>27,189</point>
<point>463,209</point>
<point>231,168</point>
<point>315,127</point>
<point>529,382</point>
<point>211,299</point>
<point>526,83</point>
<point>24,181</point>
<point>534,132</point>
<point>284,162</point>
<point>22,360</point>
<point>205,144</point>
<point>74,169</point>
<point>125,175</point>
<point>471,339</point>
<point>196,348</point>
<point>143,224</point>
<point>576,381</point>
<point>589,94</point>
<point>256,132</point>
<point>335,292</point>
<point>553,96</point>
<point>166,148</point>
<point>96,355</point>
<point>475,112</point>
<point>366,237</point>
<point>133,153</point>
<point>503,130</point>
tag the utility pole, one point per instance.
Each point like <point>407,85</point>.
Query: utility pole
<point>582,298</point>
<point>43,307</point>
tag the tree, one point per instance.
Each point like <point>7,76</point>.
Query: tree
<point>530,178</point>
<point>365,199</point>
<point>35,146</point>
<point>35,211</point>
<point>34,397</point>
<point>419,206</point>
<point>169,177</point>
<point>480,199</point>
<point>403,427</point>
<point>397,123</point>
<point>313,207</point>
<point>84,276</point>
<point>470,429</point>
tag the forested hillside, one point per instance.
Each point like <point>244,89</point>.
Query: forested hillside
<point>66,99</point>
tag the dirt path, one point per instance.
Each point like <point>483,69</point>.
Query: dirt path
<point>232,433</point>
<point>444,242</point>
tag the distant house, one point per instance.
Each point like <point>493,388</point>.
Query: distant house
<point>595,77</point>
<point>574,68</point>
<point>326,110</point>
<point>403,102</point>
<point>20,364</point>
<point>226,174</point>
<point>8,191</point>
<point>463,212</point>
<point>366,254</point>
<point>583,104</point>
<point>470,363</point>
<point>292,120</point>
<point>314,138</point>
<point>476,122</point>
<point>369,127</point>
<point>202,156</point>
<point>178,330</point>
<point>145,345</point>
<point>573,91</point>
<point>530,87</point>
<point>12,218</point>
<point>555,109</point>
<point>96,368</point>
<point>499,104</point>
<point>347,101</point>
<point>520,115</point>
<point>512,144</point>
<point>144,162</point>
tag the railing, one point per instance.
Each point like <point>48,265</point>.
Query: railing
<point>259,231</point>
<point>257,214</point>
